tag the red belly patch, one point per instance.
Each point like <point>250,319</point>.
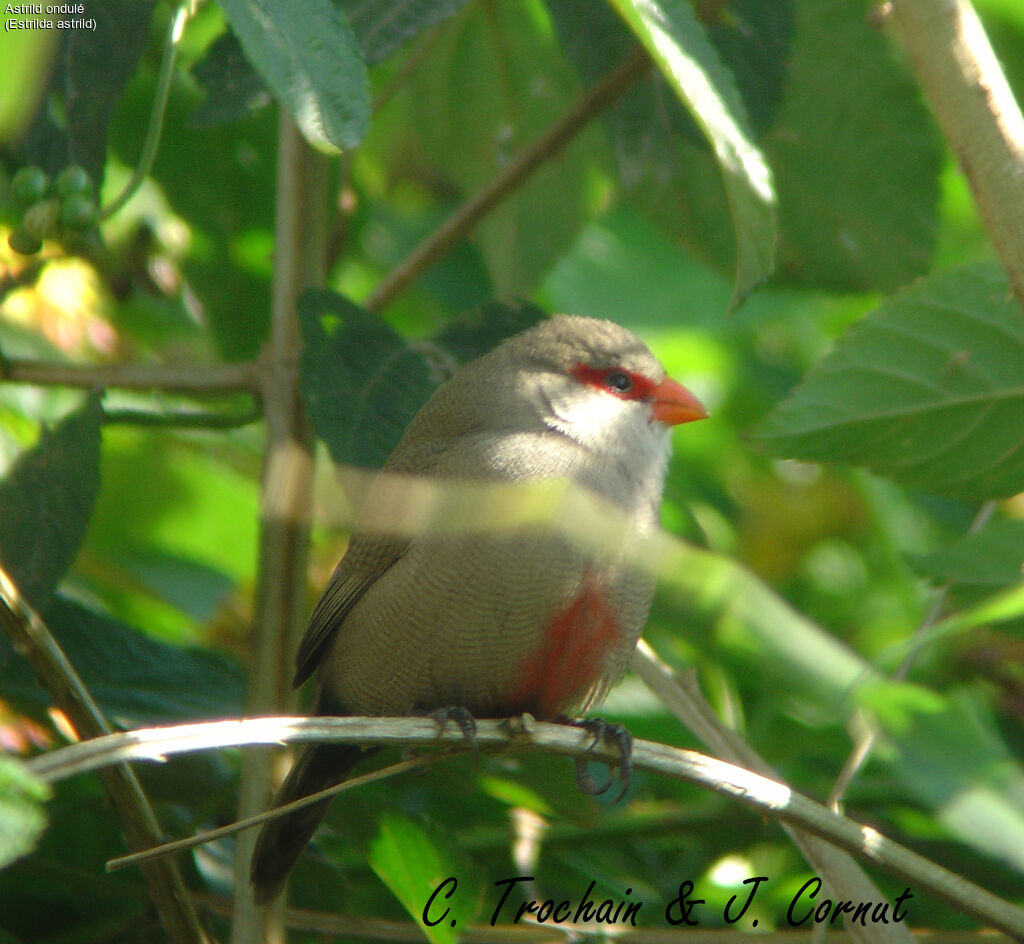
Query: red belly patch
<point>571,659</point>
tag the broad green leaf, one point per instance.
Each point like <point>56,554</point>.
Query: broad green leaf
<point>92,69</point>
<point>927,390</point>
<point>362,381</point>
<point>413,863</point>
<point>46,501</point>
<point>990,559</point>
<point>949,751</point>
<point>311,61</point>
<point>381,26</point>
<point>22,818</point>
<point>494,81</point>
<point>672,35</point>
<point>136,680</point>
<point>856,157</point>
<point>233,87</point>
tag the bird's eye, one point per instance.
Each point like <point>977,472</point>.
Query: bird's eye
<point>618,380</point>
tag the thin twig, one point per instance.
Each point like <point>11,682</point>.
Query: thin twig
<point>32,638</point>
<point>212,380</point>
<point>765,796</point>
<point>518,170</point>
<point>866,730</point>
<point>156,117</point>
<point>199,839</point>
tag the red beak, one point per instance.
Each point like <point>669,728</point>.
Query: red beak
<point>674,404</point>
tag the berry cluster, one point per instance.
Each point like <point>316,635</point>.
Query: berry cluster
<point>67,204</point>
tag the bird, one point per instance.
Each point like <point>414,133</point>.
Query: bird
<point>490,622</point>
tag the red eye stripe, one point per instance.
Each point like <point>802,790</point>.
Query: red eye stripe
<point>622,383</point>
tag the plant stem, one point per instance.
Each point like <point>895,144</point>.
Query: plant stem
<point>518,170</point>
<point>975,108</point>
<point>286,490</point>
<point>32,639</point>
<point>758,793</point>
<point>156,117</point>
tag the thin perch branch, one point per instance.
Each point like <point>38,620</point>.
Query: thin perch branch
<point>32,639</point>
<point>843,877</point>
<point>765,796</point>
<point>518,170</point>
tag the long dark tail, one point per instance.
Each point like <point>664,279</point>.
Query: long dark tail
<point>281,840</point>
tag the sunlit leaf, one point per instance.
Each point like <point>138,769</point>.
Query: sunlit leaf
<point>312,62</point>
<point>414,864</point>
<point>927,390</point>
<point>670,31</point>
<point>22,817</point>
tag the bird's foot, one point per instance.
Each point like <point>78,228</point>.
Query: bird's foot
<point>615,734</point>
<point>465,722</point>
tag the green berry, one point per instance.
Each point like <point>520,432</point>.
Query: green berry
<point>78,212</point>
<point>29,185</point>
<point>24,243</point>
<point>41,218</point>
<point>74,179</point>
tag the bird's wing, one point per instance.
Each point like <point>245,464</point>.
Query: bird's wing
<point>365,561</point>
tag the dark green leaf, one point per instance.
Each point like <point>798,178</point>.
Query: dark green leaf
<point>92,69</point>
<point>484,327</point>
<point>362,382</point>
<point>927,390</point>
<point>46,501</point>
<point>381,26</point>
<point>233,87</point>
<point>311,61</point>
<point>22,818</point>
<point>855,155</point>
<point>678,43</point>
<point>988,560</point>
<point>136,680</point>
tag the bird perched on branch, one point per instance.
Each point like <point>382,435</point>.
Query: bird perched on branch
<point>480,619</point>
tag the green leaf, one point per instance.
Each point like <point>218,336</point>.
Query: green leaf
<point>309,58</point>
<point>383,25</point>
<point>413,863</point>
<point>22,818</point>
<point>362,382</point>
<point>233,87</point>
<point>927,390</point>
<point>950,753</point>
<point>93,67</point>
<point>481,329</point>
<point>495,80</point>
<point>672,35</point>
<point>856,157</point>
<point>988,560</point>
<point>46,501</point>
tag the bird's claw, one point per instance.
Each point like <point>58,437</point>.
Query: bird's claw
<point>601,730</point>
<point>465,722</point>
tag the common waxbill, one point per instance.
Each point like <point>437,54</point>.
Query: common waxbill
<point>496,622</point>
